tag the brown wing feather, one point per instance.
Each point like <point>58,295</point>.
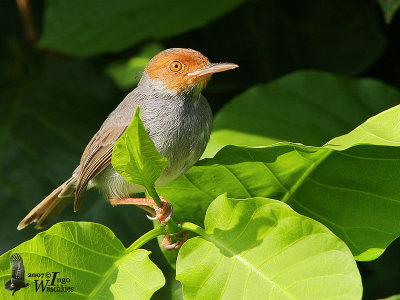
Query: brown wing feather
<point>96,157</point>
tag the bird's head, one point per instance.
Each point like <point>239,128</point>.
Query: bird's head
<point>177,70</point>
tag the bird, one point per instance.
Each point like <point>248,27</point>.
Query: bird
<point>177,118</point>
<point>17,280</point>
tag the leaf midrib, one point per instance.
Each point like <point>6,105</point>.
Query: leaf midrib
<point>105,278</point>
<point>305,175</point>
<point>221,245</point>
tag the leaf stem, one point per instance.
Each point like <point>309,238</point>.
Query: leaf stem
<point>153,194</point>
<point>148,236</point>
<point>172,226</point>
<point>194,228</point>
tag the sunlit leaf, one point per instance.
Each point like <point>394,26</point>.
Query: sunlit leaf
<point>259,248</point>
<point>309,107</point>
<point>354,192</point>
<point>95,261</point>
<point>136,157</point>
<point>382,129</point>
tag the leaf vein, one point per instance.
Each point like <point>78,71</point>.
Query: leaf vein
<point>83,247</point>
<point>238,180</point>
<point>329,186</point>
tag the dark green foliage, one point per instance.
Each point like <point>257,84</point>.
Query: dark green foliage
<point>104,26</point>
<point>51,103</point>
<point>389,8</point>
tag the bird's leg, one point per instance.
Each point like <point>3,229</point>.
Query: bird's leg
<point>163,214</point>
<point>143,203</point>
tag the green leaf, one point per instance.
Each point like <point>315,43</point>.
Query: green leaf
<point>354,192</point>
<point>259,248</point>
<point>90,255</point>
<point>394,297</point>
<point>127,74</point>
<point>389,8</point>
<point>94,26</point>
<point>382,129</point>
<point>309,107</point>
<point>135,156</point>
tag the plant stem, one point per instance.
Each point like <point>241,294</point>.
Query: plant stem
<point>153,194</point>
<point>194,228</point>
<point>148,236</point>
<point>171,225</point>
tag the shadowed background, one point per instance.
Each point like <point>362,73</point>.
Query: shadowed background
<point>55,97</point>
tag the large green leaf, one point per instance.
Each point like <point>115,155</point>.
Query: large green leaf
<point>309,107</point>
<point>136,157</point>
<point>127,74</point>
<point>354,192</point>
<point>389,8</point>
<point>95,261</point>
<point>382,129</point>
<point>259,248</point>
<point>94,26</point>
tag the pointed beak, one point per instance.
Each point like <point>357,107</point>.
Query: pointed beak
<point>213,68</point>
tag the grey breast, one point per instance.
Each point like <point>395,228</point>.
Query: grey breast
<point>180,129</point>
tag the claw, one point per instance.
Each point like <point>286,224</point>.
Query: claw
<point>170,213</point>
<point>172,246</point>
<point>167,245</point>
<point>151,218</point>
<point>160,211</point>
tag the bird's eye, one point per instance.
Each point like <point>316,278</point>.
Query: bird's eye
<point>175,66</point>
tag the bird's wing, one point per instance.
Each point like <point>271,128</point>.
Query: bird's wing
<point>17,268</point>
<point>96,157</point>
<point>7,285</point>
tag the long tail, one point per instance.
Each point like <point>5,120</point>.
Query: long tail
<point>49,208</point>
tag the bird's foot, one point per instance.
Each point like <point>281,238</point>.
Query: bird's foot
<point>168,245</point>
<point>163,213</point>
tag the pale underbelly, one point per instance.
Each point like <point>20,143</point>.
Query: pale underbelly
<point>113,185</point>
